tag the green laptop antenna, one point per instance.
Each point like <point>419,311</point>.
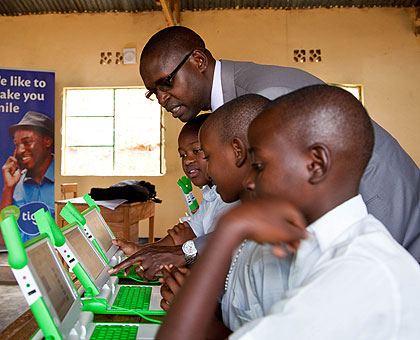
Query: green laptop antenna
<point>17,256</point>
<point>46,224</point>
<point>186,188</point>
<point>91,203</point>
<point>71,215</point>
<point>18,261</point>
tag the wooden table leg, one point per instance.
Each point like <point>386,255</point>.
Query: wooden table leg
<point>151,228</point>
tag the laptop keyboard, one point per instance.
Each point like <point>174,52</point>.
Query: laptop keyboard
<point>104,332</point>
<point>130,297</point>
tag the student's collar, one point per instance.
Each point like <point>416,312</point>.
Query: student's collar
<point>209,194</point>
<point>216,88</point>
<point>335,222</point>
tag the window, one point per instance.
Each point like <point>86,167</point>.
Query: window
<point>111,132</point>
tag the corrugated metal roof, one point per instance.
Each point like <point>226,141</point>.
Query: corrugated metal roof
<point>26,7</point>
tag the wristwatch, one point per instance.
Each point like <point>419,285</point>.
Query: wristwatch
<point>190,252</point>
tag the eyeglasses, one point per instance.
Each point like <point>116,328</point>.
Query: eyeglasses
<point>165,84</point>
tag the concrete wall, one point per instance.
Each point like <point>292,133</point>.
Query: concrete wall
<point>373,47</point>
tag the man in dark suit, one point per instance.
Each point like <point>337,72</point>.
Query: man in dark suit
<point>182,74</point>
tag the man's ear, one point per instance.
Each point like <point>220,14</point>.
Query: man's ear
<point>48,141</point>
<point>319,162</point>
<point>240,151</point>
<point>201,60</point>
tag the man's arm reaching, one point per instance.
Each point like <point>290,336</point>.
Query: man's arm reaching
<point>150,259</point>
<point>179,234</point>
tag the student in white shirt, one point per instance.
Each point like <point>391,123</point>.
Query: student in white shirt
<point>255,280</point>
<point>169,250</point>
<point>349,279</point>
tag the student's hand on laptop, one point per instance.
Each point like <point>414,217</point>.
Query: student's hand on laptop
<point>181,233</point>
<point>150,259</point>
<point>172,280</point>
<point>272,221</point>
<point>129,248</point>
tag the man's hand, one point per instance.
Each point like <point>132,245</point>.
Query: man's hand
<point>266,221</point>
<point>150,259</point>
<point>129,248</point>
<point>181,233</point>
<point>11,172</point>
<point>172,280</point>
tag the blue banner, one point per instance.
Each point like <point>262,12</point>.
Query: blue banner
<point>27,146</point>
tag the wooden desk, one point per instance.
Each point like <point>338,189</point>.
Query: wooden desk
<point>123,221</point>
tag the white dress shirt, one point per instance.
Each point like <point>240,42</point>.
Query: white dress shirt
<point>351,280</point>
<point>207,215</point>
<point>257,280</point>
<point>216,98</point>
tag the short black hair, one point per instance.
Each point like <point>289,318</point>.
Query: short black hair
<point>195,123</point>
<point>175,39</point>
<point>233,118</point>
<point>330,115</point>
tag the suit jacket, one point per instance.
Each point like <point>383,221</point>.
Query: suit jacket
<point>390,185</point>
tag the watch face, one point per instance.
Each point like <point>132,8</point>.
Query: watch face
<point>189,248</point>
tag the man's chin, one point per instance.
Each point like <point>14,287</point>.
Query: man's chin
<point>184,118</point>
<point>187,116</point>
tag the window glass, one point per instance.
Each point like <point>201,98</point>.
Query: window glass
<point>111,132</point>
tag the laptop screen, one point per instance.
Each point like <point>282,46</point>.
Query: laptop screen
<point>52,279</point>
<point>83,248</point>
<point>96,224</point>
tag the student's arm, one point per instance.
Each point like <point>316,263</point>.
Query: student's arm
<point>200,242</point>
<point>172,280</point>
<point>129,248</point>
<point>274,222</point>
<point>181,233</point>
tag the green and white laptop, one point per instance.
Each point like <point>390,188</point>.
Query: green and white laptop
<point>99,233</point>
<point>51,295</point>
<point>95,228</point>
<point>103,293</point>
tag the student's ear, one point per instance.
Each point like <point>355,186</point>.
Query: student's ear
<point>200,58</point>
<point>240,151</point>
<point>319,159</point>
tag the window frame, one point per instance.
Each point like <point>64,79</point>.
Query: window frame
<point>162,165</point>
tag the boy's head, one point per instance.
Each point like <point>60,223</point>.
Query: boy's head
<point>310,147</point>
<point>193,162</point>
<point>223,139</point>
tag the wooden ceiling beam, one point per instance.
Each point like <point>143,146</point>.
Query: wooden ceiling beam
<point>169,16</point>
<point>175,8</point>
